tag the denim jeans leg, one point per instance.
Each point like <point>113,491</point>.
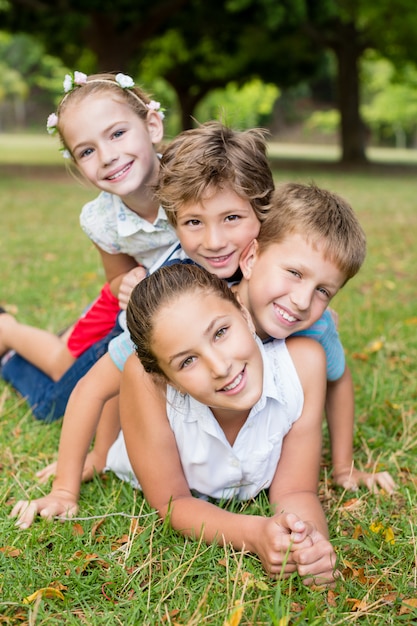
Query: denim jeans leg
<point>47,398</point>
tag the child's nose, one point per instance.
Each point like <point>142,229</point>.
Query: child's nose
<point>213,239</point>
<point>107,155</point>
<point>301,297</point>
<point>219,365</point>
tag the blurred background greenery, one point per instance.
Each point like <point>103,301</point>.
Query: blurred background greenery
<point>333,72</point>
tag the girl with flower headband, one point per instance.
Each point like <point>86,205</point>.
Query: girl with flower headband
<point>109,129</point>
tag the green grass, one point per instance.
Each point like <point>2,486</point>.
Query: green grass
<point>19,148</point>
<point>135,570</point>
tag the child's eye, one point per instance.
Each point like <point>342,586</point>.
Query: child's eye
<point>118,133</point>
<point>295,273</point>
<point>86,153</point>
<point>232,218</point>
<point>193,223</point>
<point>324,291</point>
<point>221,332</point>
<point>187,362</point>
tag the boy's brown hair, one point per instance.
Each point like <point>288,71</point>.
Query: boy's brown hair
<point>211,157</point>
<point>322,217</point>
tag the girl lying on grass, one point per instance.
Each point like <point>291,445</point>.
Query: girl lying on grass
<point>238,417</point>
<point>210,414</point>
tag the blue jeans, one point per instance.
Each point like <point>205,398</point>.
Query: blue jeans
<point>47,398</point>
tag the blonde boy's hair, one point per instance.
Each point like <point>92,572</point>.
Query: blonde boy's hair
<point>322,217</point>
<point>211,157</point>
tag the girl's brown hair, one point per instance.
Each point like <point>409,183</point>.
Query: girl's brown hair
<point>160,289</point>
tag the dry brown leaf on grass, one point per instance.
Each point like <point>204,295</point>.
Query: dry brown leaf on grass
<point>409,605</point>
<point>10,551</point>
<point>77,529</point>
<point>88,560</point>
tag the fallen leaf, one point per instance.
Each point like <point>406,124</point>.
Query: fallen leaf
<point>10,551</point>
<point>360,356</point>
<point>374,346</point>
<point>358,605</point>
<point>44,592</point>
<point>408,605</point>
<point>172,613</point>
<point>96,526</point>
<point>236,616</point>
<point>77,529</point>
<point>331,598</point>
<point>376,527</point>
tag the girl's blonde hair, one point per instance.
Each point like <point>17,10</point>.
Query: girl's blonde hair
<point>160,289</point>
<point>134,97</point>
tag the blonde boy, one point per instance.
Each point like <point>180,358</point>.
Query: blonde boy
<point>309,245</point>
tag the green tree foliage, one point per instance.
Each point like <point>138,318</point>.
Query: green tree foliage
<point>349,28</point>
<point>245,107</point>
<point>199,46</point>
<point>195,45</point>
<point>25,69</point>
<point>390,95</point>
<point>113,33</point>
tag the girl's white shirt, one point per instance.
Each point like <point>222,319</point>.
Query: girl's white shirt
<point>213,468</point>
<point>116,229</point>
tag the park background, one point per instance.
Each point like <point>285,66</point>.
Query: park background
<point>335,82</point>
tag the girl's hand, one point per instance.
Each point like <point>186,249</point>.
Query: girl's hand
<point>59,503</point>
<point>93,465</point>
<point>352,478</point>
<point>129,281</point>
<point>44,474</point>
<point>275,543</point>
<point>316,563</point>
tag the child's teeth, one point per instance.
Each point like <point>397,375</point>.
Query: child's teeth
<point>234,384</point>
<point>287,317</point>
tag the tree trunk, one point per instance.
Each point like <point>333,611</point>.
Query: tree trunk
<point>352,128</point>
<point>187,103</point>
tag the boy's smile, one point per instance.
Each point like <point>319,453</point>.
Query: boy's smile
<point>214,232</point>
<point>287,286</point>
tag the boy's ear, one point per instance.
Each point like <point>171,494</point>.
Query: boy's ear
<point>155,127</point>
<point>248,259</point>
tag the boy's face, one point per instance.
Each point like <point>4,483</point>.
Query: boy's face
<point>288,286</point>
<point>215,231</point>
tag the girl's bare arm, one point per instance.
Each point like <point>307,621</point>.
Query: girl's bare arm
<point>81,418</point>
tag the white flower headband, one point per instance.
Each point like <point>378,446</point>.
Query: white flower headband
<point>79,78</point>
